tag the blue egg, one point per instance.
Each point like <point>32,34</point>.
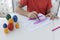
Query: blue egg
<point>15,18</point>
<point>4,25</point>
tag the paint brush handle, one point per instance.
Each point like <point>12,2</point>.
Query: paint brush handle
<point>37,16</point>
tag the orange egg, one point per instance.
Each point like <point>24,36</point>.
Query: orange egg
<point>5,30</point>
<point>10,21</point>
<point>17,25</point>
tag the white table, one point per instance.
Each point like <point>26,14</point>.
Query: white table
<point>25,31</point>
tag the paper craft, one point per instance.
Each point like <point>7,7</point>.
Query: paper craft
<point>38,21</point>
<point>56,28</point>
<point>41,17</point>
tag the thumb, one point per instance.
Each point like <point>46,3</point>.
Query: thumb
<point>47,15</point>
<point>35,12</point>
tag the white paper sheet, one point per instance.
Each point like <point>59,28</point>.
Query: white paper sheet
<point>28,25</point>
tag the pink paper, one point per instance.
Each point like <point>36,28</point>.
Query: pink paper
<point>34,18</point>
<point>38,21</point>
<point>41,17</point>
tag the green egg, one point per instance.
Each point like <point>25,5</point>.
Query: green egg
<point>8,16</point>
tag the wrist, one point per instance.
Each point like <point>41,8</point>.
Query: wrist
<point>27,14</point>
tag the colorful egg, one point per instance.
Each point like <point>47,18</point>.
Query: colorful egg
<point>10,26</point>
<point>10,21</point>
<point>17,25</point>
<point>15,18</point>
<point>5,30</point>
<point>4,25</point>
<point>8,16</point>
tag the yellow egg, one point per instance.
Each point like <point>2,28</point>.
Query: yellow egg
<point>10,21</point>
<point>17,25</point>
<point>5,30</point>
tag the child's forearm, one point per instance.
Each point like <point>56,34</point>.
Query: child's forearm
<point>21,11</point>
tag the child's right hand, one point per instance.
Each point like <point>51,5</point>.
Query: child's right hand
<point>32,15</point>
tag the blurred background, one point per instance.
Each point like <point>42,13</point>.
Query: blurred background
<point>5,7</point>
<point>8,6</point>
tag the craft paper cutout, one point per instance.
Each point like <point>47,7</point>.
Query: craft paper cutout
<point>41,17</point>
<point>38,21</point>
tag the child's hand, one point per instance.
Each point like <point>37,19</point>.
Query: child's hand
<point>52,17</point>
<point>33,15</point>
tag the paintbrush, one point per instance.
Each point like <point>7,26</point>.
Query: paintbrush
<point>37,16</point>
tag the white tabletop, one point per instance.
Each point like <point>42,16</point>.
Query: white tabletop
<point>30,31</point>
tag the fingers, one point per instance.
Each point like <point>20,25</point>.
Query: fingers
<point>47,15</point>
<point>35,12</point>
<point>33,15</point>
<point>56,17</point>
<point>52,17</point>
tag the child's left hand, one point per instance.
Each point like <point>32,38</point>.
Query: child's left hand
<point>52,17</point>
